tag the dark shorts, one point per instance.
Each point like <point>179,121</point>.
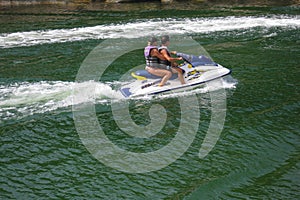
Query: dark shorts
<point>161,66</point>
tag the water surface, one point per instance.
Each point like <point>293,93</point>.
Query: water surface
<point>256,156</point>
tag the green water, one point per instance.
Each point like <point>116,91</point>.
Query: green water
<point>256,156</point>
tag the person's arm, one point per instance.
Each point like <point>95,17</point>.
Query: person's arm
<point>156,53</point>
<point>169,58</point>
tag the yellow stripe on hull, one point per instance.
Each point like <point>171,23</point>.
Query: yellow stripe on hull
<point>141,78</point>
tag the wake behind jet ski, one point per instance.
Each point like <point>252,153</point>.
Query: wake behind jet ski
<point>197,70</point>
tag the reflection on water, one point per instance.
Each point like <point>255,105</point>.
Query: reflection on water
<point>52,5</point>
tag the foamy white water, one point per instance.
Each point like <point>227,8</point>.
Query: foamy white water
<point>23,99</point>
<point>146,28</point>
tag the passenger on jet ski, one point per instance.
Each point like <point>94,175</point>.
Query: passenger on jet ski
<point>153,65</point>
<point>169,61</point>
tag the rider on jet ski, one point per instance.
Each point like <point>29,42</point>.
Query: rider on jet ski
<point>168,60</point>
<point>159,65</point>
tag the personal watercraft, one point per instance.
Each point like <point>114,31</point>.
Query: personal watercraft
<point>197,70</point>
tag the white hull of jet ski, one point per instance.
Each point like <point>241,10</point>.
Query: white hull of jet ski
<point>147,84</point>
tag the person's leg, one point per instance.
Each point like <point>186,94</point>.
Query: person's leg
<point>180,75</point>
<point>166,74</point>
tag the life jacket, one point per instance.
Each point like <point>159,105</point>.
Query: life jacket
<point>164,62</point>
<point>151,61</point>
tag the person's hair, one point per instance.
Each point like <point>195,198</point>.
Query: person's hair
<point>165,39</point>
<point>152,40</point>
